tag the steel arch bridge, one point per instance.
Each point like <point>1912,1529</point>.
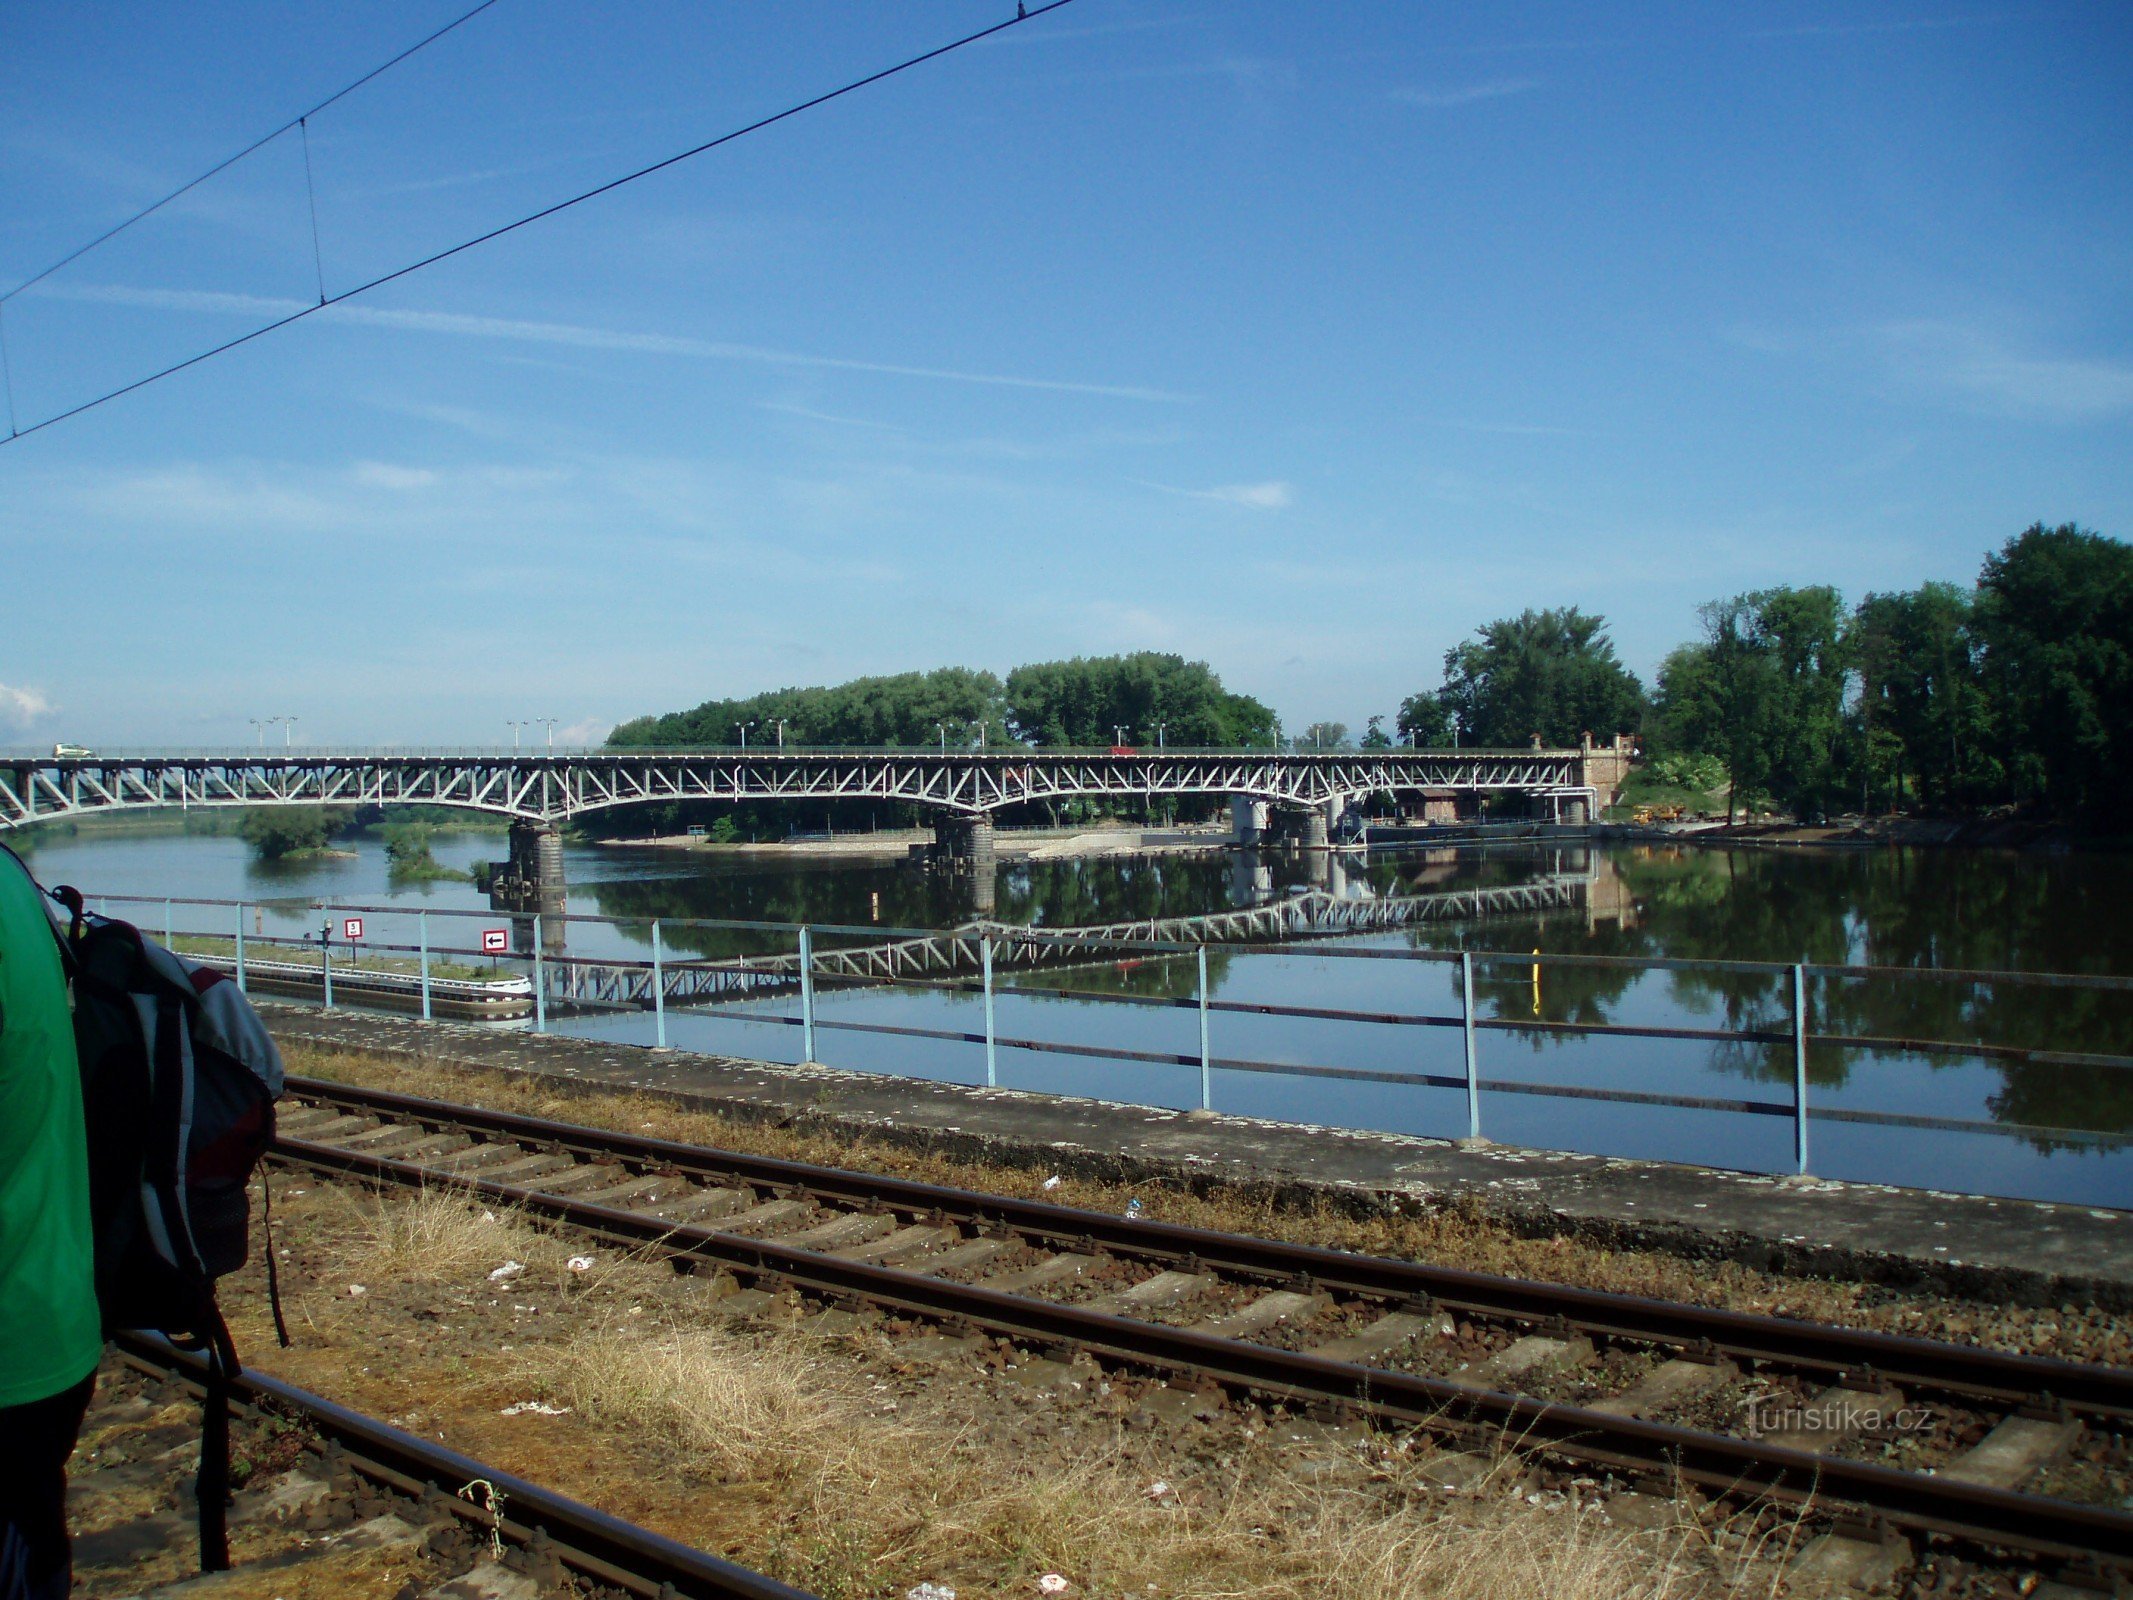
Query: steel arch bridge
<point>546,788</point>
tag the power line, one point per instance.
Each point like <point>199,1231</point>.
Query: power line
<point>1023,13</point>
<point>231,160</point>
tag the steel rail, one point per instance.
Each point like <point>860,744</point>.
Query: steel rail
<point>1800,1346</point>
<point>1999,1518</point>
<point>604,1548</point>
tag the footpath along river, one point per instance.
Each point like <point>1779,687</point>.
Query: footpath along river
<point>1912,908</point>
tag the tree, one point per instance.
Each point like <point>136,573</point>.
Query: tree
<point>1764,692</point>
<point>1085,700</point>
<point>1375,737</point>
<point>279,831</point>
<point>1424,721</point>
<point>1551,675</point>
<point>1323,736</point>
<point>2055,622</point>
<point>1921,710</point>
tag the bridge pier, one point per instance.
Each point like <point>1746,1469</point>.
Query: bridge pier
<point>1307,827</point>
<point>531,881</point>
<point>1247,821</point>
<point>964,842</point>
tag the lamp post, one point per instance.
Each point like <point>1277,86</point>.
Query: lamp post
<point>781,721</point>
<point>944,736</point>
<point>1159,727</point>
<point>744,727</point>
<point>514,727</point>
<point>288,731</point>
<point>1118,733</point>
<point>261,724</point>
<point>549,724</point>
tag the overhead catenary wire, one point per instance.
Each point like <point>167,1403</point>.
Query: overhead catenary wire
<point>1023,13</point>
<point>232,159</point>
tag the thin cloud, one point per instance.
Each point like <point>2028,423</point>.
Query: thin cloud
<point>1272,495</point>
<point>384,475</point>
<point>578,336</point>
<point>1971,361</point>
<point>1466,94</point>
<point>20,707</point>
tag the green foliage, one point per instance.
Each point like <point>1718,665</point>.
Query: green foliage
<point>1547,675</point>
<point>904,709</point>
<point>407,853</point>
<point>2055,631</point>
<point>1324,736</point>
<point>1701,774</point>
<point>1083,702</point>
<point>1935,695</point>
<point>282,831</point>
<point>1375,737</point>
<point>1921,713</point>
<point>1764,692</point>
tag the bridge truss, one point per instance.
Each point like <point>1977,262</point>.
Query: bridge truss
<point>545,788</point>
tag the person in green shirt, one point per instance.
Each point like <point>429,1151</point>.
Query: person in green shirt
<point>51,1336</point>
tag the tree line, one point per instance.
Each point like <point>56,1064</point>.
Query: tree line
<point>1146,698</point>
<point>2014,691</point>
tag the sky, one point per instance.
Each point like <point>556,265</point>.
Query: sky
<point>1298,339</point>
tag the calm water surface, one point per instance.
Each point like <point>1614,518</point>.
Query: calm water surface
<point>1893,908</point>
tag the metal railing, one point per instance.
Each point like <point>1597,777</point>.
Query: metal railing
<point>807,968</point>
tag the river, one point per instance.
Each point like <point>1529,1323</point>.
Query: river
<point>1897,908</point>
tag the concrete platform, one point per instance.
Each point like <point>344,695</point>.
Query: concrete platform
<point>2005,1251</point>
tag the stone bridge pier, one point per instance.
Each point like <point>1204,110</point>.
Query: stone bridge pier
<point>965,846</point>
<point>1305,827</point>
<point>531,880</point>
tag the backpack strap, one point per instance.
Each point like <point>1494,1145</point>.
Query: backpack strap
<point>211,1488</point>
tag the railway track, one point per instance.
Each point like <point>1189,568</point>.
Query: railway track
<point>2012,1454</point>
<point>344,1484</point>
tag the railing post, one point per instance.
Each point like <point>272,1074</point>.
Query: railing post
<point>1466,1023</point>
<point>540,981</point>
<point>807,994</point>
<point>1207,1085</point>
<point>1799,1064</point>
<point>992,1067</point>
<point>422,936</point>
<point>659,991</point>
<point>240,947</point>
<point>325,960</point>
<point>170,938</point>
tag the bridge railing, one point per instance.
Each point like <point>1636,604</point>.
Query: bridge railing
<point>106,754</point>
<point>823,967</point>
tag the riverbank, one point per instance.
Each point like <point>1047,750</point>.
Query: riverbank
<point>1703,1220</point>
<point>1987,833</point>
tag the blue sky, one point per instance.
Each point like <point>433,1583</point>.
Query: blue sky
<point>1301,339</point>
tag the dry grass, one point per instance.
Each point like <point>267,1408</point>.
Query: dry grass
<point>849,1499</point>
<point>1457,1236</point>
<point>427,1236</point>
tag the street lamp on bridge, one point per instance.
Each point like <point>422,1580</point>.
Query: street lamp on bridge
<point>549,724</point>
<point>744,727</point>
<point>944,736</point>
<point>261,724</point>
<point>1159,727</point>
<point>1118,733</point>
<point>288,730</point>
<point>781,721</point>
<point>514,726</point>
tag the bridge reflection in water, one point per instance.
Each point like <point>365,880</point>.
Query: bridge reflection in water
<point>1345,905</point>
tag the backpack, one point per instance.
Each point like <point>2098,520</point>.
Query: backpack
<point>179,1080</point>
